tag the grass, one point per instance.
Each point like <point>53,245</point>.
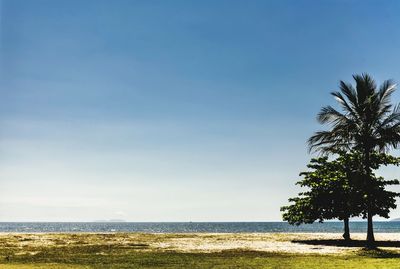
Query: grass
<point>86,258</point>
<point>110,251</point>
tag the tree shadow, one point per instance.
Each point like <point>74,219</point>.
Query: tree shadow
<point>379,253</point>
<point>344,243</point>
<point>375,253</point>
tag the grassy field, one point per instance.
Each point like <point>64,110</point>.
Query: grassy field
<point>154,251</point>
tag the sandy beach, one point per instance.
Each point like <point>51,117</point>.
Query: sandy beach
<point>195,250</point>
<point>311,243</point>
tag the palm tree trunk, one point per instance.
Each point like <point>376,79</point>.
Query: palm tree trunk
<point>370,228</point>
<point>346,234</point>
<point>370,232</point>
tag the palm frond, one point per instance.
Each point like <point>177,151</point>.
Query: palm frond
<point>365,87</point>
<point>385,91</point>
<point>328,115</point>
<point>344,104</point>
<point>366,120</point>
<point>348,90</point>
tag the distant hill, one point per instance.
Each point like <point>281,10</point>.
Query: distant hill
<point>396,219</point>
<point>111,220</point>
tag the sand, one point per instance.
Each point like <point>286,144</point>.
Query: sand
<point>202,242</point>
<point>284,242</point>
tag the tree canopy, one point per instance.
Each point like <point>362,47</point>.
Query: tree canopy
<point>367,122</point>
<point>335,190</point>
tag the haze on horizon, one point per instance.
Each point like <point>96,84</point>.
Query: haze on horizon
<point>173,111</point>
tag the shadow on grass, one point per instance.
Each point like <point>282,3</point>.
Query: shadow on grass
<point>373,253</point>
<point>379,253</point>
<point>343,243</point>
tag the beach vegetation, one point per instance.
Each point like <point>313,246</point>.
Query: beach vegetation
<point>335,191</point>
<point>366,122</point>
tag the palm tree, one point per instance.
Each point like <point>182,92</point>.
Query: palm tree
<point>368,122</point>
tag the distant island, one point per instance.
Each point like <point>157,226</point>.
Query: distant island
<point>110,220</point>
<point>396,219</point>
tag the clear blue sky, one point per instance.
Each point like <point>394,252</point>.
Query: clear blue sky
<point>173,110</point>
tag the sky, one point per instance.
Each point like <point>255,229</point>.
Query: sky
<point>174,110</point>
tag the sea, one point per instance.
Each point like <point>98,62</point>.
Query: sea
<point>194,227</point>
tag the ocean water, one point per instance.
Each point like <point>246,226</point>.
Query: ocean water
<point>191,227</point>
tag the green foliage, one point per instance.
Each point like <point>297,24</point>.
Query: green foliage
<point>329,193</point>
<point>336,190</point>
<point>367,122</point>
